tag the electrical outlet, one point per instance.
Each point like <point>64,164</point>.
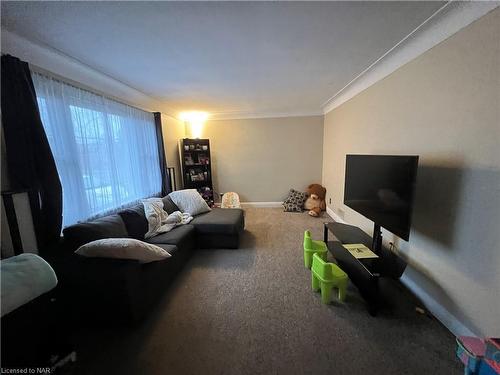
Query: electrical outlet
<point>392,247</point>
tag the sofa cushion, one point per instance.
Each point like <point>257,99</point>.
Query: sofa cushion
<point>295,201</point>
<point>175,237</point>
<point>135,221</point>
<point>135,218</point>
<point>220,221</point>
<point>169,205</point>
<point>111,226</point>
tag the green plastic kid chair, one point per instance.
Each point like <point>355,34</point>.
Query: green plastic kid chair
<point>326,276</point>
<point>312,247</point>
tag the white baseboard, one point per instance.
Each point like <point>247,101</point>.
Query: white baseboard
<point>261,204</point>
<point>334,216</point>
<point>438,310</point>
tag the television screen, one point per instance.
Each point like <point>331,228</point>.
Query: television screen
<point>381,188</point>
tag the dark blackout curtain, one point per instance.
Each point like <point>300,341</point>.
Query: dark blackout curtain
<point>165,180</point>
<point>30,162</point>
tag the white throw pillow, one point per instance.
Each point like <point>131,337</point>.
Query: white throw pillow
<point>123,248</point>
<point>190,201</point>
<point>156,216</point>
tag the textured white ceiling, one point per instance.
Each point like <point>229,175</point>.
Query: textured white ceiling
<point>236,58</point>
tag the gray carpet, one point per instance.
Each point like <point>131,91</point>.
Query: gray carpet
<point>252,311</point>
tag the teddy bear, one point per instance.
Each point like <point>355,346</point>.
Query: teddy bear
<point>315,202</point>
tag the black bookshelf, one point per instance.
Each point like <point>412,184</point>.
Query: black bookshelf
<point>196,167</point>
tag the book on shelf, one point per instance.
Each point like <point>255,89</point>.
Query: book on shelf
<point>360,251</point>
<point>203,159</point>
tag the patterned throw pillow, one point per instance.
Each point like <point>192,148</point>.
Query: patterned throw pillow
<point>295,201</point>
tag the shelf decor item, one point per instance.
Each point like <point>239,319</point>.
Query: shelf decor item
<point>196,169</point>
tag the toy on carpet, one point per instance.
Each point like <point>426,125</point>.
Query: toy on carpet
<point>480,356</point>
<point>312,247</point>
<point>230,200</point>
<point>315,202</point>
<point>326,276</point>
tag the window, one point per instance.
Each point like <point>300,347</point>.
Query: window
<point>106,152</point>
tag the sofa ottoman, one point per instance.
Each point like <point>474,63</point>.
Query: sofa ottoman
<point>219,228</point>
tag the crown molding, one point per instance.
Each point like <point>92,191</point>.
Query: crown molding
<point>241,115</point>
<point>446,21</point>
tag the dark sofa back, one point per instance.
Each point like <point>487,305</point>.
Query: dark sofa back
<point>135,221</point>
<point>130,222</point>
<point>135,218</point>
<point>169,205</point>
<point>111,226</point>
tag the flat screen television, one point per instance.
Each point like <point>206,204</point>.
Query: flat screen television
<point>381,188</point>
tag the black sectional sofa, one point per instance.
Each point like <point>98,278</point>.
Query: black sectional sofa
<point>126,289</point>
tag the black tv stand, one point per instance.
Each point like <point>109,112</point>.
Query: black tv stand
<point>364,273</point>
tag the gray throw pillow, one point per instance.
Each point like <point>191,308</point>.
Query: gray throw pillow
<point>190,201</point>
<point>295,201</point>
<point>123,248</point>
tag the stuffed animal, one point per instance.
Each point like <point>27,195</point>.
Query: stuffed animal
<point>315,202</point>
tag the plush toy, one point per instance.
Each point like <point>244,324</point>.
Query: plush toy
<point>315,202</point>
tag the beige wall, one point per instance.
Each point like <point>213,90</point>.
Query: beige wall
<point>173,130</point>
<point>443,106</point>
<point>261,159</point>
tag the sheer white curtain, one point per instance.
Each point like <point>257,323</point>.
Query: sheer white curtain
<point>106,152</point>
